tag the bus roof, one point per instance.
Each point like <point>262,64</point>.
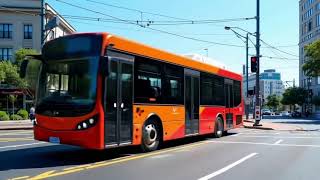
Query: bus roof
<point>130,46</point>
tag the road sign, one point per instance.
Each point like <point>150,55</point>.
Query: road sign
<point>54,22</point>
<point>257,113</point>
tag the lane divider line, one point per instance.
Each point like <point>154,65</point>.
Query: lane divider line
<point>266,144</point>
<point>22,145</point>
<point>220,171</point>
<point>284,137</point>
<point>278,142</point>
<point>70,170</point>
<point>19,178</point>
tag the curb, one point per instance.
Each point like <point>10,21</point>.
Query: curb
<point>16,128</point>
<point>258,127</point>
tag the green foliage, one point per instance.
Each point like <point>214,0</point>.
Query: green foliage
<point>13,98</point>
<point>9,75</point>
<point>4,116</point>
<point>23,113</point>
<point>294,95</point>
<point>312,66</point>
<point>316,100</point>
<point>15,117</point>
<point>273,102</point>
<point>21,54</point>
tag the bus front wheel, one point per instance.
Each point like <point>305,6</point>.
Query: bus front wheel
<point>218,130</point>
<point>150,136</point>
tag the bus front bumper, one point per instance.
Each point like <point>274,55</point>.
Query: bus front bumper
<point>90,138</point>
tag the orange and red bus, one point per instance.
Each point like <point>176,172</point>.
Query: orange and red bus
<point>98,90</point>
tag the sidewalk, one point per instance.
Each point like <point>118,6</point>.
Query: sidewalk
<point>271,126</point>
<point>16,125</point>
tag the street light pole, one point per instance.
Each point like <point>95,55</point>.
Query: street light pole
<point>258,115</point>
<point>247,61</point>
<point>247,75</point>
<point>42,22</point>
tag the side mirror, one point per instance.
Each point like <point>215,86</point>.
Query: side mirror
<point>23,68</point>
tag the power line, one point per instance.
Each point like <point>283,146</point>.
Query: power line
<point>157,30</point>
<point>136,10</point>
<point>272,47</point>
<point>157,22</point>
<point>280,58</point>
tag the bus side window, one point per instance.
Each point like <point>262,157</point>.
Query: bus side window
<point>148,82</point>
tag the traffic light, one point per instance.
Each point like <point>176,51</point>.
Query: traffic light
<point>254,64</point>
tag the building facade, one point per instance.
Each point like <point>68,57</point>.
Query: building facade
<point>20,27</point>
<point>309,31</point>
<point>270,84</point>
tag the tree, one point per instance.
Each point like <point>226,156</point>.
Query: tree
<point>21,54</point>
<point>312,65</point>
<point>273,102</point>
<point>9,75</point>
<point>13,99</point>
<point>294,95</point>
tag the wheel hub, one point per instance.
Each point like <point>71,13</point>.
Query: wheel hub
<point>150,134</point>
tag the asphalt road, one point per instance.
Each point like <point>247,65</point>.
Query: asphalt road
<point>243,154</point>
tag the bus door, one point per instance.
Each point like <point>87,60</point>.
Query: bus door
<point>118,99</point>
<point>192,102</point>
<point>228,87</point>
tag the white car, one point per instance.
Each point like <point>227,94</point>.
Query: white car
<point>285,113</point>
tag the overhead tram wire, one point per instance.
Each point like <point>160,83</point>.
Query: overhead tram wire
<point>156,22</point>
<point>158,30</point>
<point>182,21</point>
<point>272,47</point>
<point>137,10</point>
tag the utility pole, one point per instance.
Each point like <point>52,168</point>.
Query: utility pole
<point>42,16</point>
<point>247,75</point>
<point>258,105</point>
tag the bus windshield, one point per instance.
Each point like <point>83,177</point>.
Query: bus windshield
<point>67,87</point>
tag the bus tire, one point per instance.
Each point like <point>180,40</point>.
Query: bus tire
<point>150,136</point>
<point>218,129</point>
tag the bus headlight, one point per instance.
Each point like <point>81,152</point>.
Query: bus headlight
<point>87,123</point>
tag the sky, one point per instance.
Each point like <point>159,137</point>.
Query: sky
<point>279,27</point>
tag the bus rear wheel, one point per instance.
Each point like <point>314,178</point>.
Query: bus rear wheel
<point>150,137</point>
<point>218,130</point>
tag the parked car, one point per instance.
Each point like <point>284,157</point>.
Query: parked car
<point>296,114</point>
<point>285,113</point>
<point>266,112</point>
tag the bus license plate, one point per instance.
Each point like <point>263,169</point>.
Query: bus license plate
<point>55,140</point>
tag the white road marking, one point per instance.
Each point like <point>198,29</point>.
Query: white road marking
<point>15,133</point>
<point>161,156</point>
<point>21,145</point>
<point>278,142</point>
<point>285,137</point>
<point>266,144</point>
<point>235,135</point>
<point>216,173</point>
<point>260,133</point>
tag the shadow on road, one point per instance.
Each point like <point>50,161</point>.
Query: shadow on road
<point>61,155</point>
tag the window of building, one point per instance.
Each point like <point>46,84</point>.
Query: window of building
<point>6,54</point>
<point>318,20</point>
<point>27,31</point>
<point>6,31</point>
<point>310,25</point>
<point>318,80</point>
